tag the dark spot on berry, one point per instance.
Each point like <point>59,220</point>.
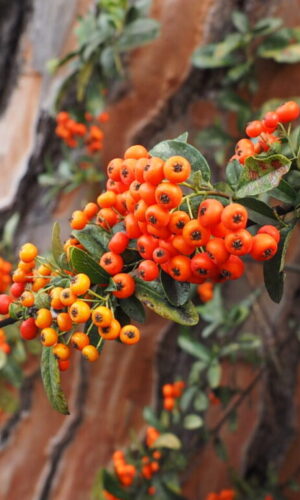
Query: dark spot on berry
<point>177,167</point>
<point>196,235</point>
<point>202,210</point>
<point>237,244</point>
<point>164,198</point>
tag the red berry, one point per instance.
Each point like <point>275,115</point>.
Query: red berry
<point>5,301</point>
<point>28,329</point>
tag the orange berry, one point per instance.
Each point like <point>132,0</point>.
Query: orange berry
<point>28,252</point>
<point>80,284</point>
<point>43,318</point>
<point>49,337</point>
<point>90,353</point>
<point>61,351</point>
<point>80,311</point>
<point>110,332</point>
<point>137,151</point>
<point>102,316</point>
<point>130,334</point>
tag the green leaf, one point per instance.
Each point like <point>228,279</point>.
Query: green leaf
<point>51,380</point>
<point>167,440</point>
<point>112,485</point>
<point>289,54</point>
<point>83,263</point>
<point>182,137</point>
<point>94,239</point>
<point>173,147</point>
<point>274,268</point>
<point>187,397</point>
<point>151,419</point>
<point>214,374</point>
<point>83,78</point>
<point>134,308</point>
<point>267,25</point>
<point>152,295</point>
<point>218,55</point>
<point>284,192</point>
<point>192,422</point>
<point>138,33</point>
<point>201,402</point>
<point>240,21</point>
<point>57,246</point>
<point>258,211</point>
<point>177,292</point>
<point>262,174</point>
<point>194,348</point>
<point>238,71</point>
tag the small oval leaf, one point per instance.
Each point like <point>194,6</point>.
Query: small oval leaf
<point>51,380</point>
<point>83,263</point>
<point>133,307</point>
<point>192,421</point>
<point>177,292</point>
<point>152,295</point>
<point>167,440</point>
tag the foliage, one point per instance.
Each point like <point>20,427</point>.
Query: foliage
<point>238,56</point>
<point>104,36</point>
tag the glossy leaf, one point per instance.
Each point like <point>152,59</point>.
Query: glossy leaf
<point>152,295</point>
<point>133,307</point>
<point>167,440</point>
<point>138,33</point>
<point>94,239</point>
<point>233,173</point>
<point>201,402</point>
<point>187,397</point>
<point>192,422</point>
<point>51,380</point>
<point>83,263</point>
<point>262,174</point>
<point>267,25</point>
<point>274,268</point>
<point>288,54</point>
<point>177,292</point>
<point>240,21</point>
<point>258,211</point>
<point>174,147</point>
<point>194,348</point>
<point>214,374</point>
<point>217,55</point>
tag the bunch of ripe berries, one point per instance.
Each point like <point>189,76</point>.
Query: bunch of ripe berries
<point>65,310</point>
<point>264,131</point>
<point>146,194</point>
<point>77,134</point>
<point>146,466</point>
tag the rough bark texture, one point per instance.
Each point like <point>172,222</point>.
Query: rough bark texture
<point>47,456</point>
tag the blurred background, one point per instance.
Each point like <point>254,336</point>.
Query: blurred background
<point>139,85</point>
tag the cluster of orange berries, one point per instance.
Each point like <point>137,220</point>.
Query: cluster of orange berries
<point>171,392</point>
<point>144,193</point>
<point>75,134</point>
<point>223,495</point>
<point>263,131</point>
<point>66,309</point>
<point>5,274</point>
<point>4,345</point>
<point>147,467</point>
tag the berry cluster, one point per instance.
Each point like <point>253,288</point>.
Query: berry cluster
<point>76,134</point>
<point>65,309</point>
<point>264,131</point>
<point>145,467</point>
<point>170,393</point>
<point>223,495</point>
<point>145,209</point>
<point>144,193</point>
